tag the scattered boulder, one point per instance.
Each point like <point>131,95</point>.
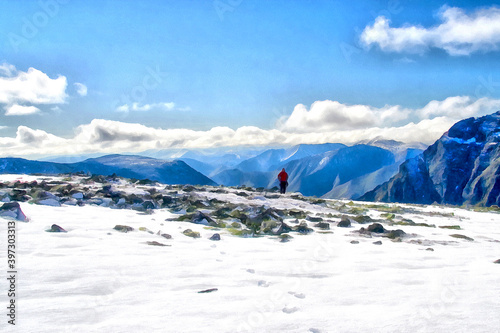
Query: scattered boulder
<point>454,227</point>
<point>155,243</point>
<point>201,218</point>
<point>364,232</point>
<point>211,290</point>
<point>497,261</point>
<point>354,242</point>
<point>56,228</point>
<point>77,196</point>
<point>191,233</point>
<point>378,243</point>
<point>298,214</point>
<point>145,229</point>
<point>19,195</point>
<point>376,228</point>
<point>13,210</point>
<point>462,237</point>
<point>363,219</point>
<point>285,238</point>
<point>323,225</point>
<point>429,249</point>
<point>123,228</point>
<point>167,236</point>
<point>314,219</point>
<point>215,237</point>
<point>345,222</point>
<point>398,233</point>
<point>303,228</point>
<point>283,229</point>
<point>148,204</point>
<point>188,188</point>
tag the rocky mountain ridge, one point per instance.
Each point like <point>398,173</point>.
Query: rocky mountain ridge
<point>462,167</point>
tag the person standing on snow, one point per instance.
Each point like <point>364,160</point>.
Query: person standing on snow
<point>283,178</point>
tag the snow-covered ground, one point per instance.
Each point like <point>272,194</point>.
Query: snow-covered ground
<point>96,279</point>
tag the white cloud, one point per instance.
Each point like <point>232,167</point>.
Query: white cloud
<point>146,107</point>
<point>33,87</point>
<point>330,116</point>
<point>325,121</point>
<point>81,89</point>
<point>459,107</point>
<point>20,110</point>
<point>459,33</point>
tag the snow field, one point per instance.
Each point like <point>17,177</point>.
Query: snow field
<point>95,279</point>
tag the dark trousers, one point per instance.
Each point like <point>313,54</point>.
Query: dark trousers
<point>283,186</point>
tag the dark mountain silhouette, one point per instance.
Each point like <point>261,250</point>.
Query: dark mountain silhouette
<point>462,167</point>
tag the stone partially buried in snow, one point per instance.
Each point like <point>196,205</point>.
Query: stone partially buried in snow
<point>345,222</point>
<point>376,228</point>
<point>191,233</point>
<point>398,233</point>
<point>56,228</point>
<point>13,210</point>
<point>215,237</point>
<point>155,243</point>
<point>123,228</point>
<point>323,225</point>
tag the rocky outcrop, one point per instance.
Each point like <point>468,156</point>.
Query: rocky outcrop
<point>462,167</point>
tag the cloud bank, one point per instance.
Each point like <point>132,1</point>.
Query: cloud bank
<point>20,91</point>
<point>323,121</point>
<point>459,33</point>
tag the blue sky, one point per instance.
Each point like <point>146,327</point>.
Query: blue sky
<point>230,72</point>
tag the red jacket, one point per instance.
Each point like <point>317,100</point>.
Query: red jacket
<point>282,176</point>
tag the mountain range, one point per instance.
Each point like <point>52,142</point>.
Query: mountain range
<point>129,166</point>
<point>462,167</point>
<point>328,170</point>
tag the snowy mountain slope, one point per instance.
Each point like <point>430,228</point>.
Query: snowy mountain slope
<point>360,185</point>
<point>204,168</point>
<point>273,159</point>
<point>318,175</point>
<point>329,280</point>
<point>462,167</point>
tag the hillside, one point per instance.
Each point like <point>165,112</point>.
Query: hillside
<point>130,166</point>
<point>462,167</point>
